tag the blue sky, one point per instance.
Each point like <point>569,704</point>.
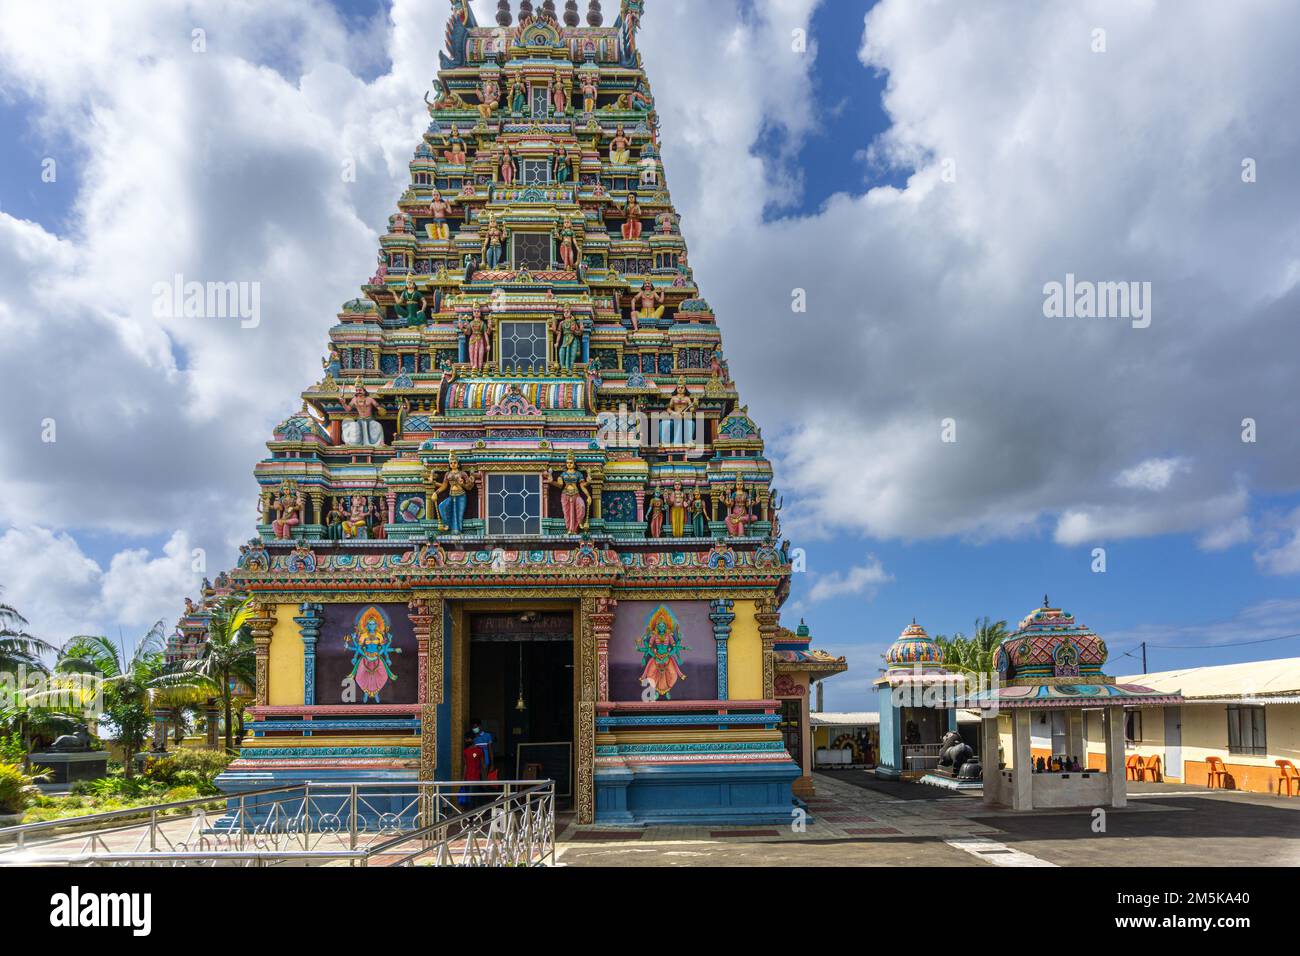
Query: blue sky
<point>925,300</point>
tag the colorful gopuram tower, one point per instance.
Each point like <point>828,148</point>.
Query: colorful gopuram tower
<point>525,492</point>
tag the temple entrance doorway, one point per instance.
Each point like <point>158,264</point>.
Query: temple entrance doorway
<point>521,688</point>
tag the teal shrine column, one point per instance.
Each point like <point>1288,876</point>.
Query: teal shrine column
<point>309,625</point>
<point>722,616</point>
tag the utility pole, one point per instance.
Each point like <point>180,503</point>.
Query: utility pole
<point>1144,657</point>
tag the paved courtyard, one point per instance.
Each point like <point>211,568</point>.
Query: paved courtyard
<point>858,821</point>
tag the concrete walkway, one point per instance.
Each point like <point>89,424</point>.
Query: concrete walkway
<point>859,821</point>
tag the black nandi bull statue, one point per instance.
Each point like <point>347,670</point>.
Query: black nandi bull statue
<point>957,759</point>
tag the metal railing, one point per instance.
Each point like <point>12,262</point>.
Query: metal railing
<point>921,756</point>
<point>478,823</point>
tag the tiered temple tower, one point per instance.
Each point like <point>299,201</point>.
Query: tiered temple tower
<point>525,490</point>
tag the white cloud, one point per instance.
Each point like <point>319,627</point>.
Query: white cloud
<point>860,579</point>
<point>63,592</point>
<point>1154,474</point>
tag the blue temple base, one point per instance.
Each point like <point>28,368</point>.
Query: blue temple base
<point>696,795</point>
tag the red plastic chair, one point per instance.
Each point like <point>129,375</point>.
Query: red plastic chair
<point>1134,768</point>
<point>1152,767</point>
<point>1218,773</point>
<point>1286,776</point>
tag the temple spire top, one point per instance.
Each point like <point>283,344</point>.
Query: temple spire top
<point>594,16</point>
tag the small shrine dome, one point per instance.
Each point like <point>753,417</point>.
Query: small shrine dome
<point>1049,643</point>
<point>914,646</point>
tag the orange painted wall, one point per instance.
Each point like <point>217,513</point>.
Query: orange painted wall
<point>1241,776</point>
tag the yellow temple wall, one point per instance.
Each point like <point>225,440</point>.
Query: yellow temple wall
<point>745,655</point>
<point>284,667</point>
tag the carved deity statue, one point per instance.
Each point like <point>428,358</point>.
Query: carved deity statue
<point>677,427</point>
<point>568,333</point>
<point>646,304</point>
<point>575,495</point>
<point>620,147</point>
<point>455,153</point>
<point>567,240</point>
<point>356,524</point>
<point>478,338</point>
<point>364,429</point>
<point>457,484</point>
<point>739,515</point>
<point>288,512</point>
<point>655,516</point>
<point>677,505</point>
<point>492,252</point>
<point>410,304</point>
<point>438,209</point>
<point>632,227</point>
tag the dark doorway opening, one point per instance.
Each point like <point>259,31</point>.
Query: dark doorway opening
<point>521,687</point>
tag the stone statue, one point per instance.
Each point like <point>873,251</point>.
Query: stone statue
<point>677,427</point>
<point>455,153</point>
<point>410,304</point>
<point>438,209</point>
<point>655,519</point>
<point>568,332</point>
<point>508,171</point>
<point>646,304</point>
<point>457,484</point>
<point>738,511</point>
<point>590,90</point>
<point>620,147</point>
<point>677,505</point>
<point>492,253</point>
<point>957,759</point>
<point>518,97</point>
<point>77,742</point>
<point>288,512</point>
<point>478,336</point>
<point>567,240</point>
<point>632,227</point>
<point>364,430</point>
<point>699,517</point>
<point>356,525</point>
<point>575,495</point>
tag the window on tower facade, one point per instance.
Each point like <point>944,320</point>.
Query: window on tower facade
<point>514,504</point>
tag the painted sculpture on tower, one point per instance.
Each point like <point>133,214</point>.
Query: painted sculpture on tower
<point>456,484</point>
<point>575,495</point>
<point>478,338</point>
<point>364,429</point>
<point>568,332</point>
<point>677,428</point>
<point>739,514</point>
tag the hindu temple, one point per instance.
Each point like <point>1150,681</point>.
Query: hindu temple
<point>525,493</point>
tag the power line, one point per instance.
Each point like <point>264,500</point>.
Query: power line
<point>1197,647</point>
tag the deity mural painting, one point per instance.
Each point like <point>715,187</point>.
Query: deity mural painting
<point>367,654</point>
<point>372,650</point>
<point>663,651</point>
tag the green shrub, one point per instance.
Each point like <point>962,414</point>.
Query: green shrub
<point>177,794</point>
<point>11,748</point>
<point>189,768</point>
<point>16,789</point>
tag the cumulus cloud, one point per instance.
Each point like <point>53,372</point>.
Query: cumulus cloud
<point>1154,474</point>
<point>63,592</point>
<point>862,579</point>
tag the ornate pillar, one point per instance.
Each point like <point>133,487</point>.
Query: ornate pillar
<point>317,508</point>
<point>603,624</point>
<point>427,619</point>
<point>263,623</point>
<point>768,618</point>
<point>722,613</point>
<point>596,479</point>
<point>587,691</point>
<point>640,505</point>
<point>161,716</point>
<point>391,499</point>
<point>309,624</point>
<point>212,718</point>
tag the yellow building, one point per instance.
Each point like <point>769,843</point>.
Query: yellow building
<point>1248,715</point>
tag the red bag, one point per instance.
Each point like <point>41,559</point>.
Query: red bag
<point>493,774</point>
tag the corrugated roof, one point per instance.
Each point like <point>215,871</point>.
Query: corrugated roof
<point>1251,679</point>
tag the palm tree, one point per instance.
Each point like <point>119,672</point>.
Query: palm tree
<point>131,682</point>
<point>229,657</point>
<point>17,647</point>
<point>977,654</point>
